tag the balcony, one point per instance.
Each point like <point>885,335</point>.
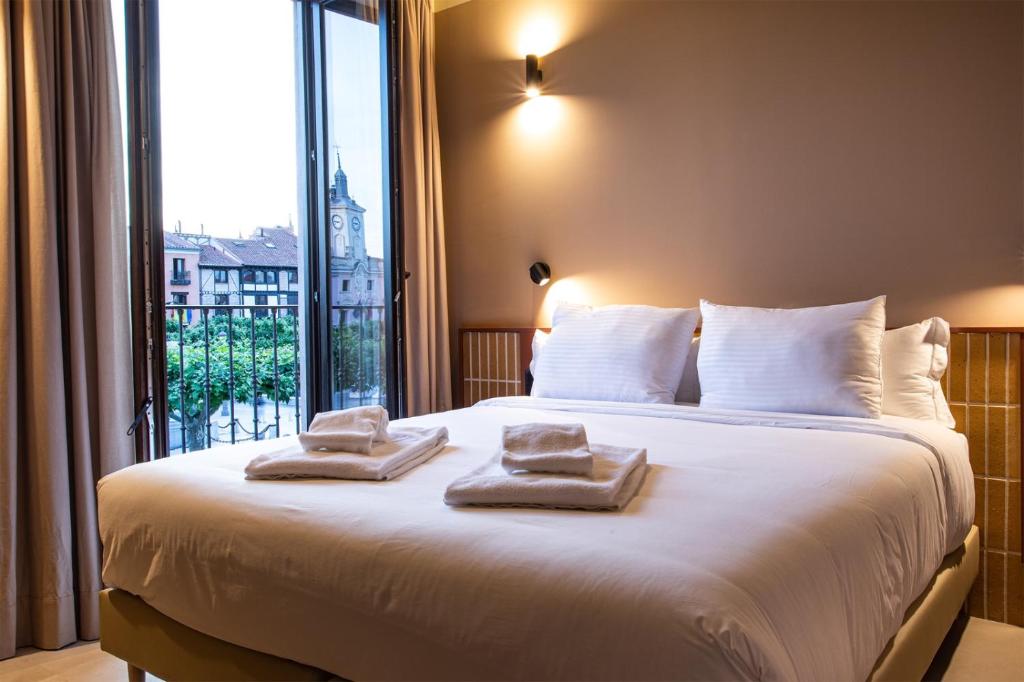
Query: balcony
<point>181,278</point>
<point>234,372</point>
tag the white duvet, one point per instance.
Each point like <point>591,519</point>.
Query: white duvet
<point>761,546</point>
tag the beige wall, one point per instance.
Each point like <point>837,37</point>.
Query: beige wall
<point>758,153</point>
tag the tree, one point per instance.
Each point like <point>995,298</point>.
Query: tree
<point>358,348</point>
<point>187,367</point>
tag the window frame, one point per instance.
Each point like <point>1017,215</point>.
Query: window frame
<point>145,210</point>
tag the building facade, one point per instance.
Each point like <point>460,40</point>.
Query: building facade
<point>263,268</point>
<point>357,280</point>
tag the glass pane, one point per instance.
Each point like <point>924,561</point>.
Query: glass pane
<point>355,131</point>
<point>228,114</point>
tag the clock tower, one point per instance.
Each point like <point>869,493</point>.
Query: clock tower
<point>348,233</point>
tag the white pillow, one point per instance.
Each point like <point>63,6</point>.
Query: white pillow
<point>540,337</point>
<point>617,353</point>
<point>563,311</point>
<point>689,387</point>
<point>822,360</point>
<point>914,359</point>
<point>568,311</point>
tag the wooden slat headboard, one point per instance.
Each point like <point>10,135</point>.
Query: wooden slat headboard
<point>983,385</point>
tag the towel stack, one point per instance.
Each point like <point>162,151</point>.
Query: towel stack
<point>354,444</point>
<point>552,465</point>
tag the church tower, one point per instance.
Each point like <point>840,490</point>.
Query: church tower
<point>348,232</point>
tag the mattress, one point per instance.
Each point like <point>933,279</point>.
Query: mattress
<point>761,546</point>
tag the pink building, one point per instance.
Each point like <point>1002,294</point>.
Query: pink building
<point>181,270</point>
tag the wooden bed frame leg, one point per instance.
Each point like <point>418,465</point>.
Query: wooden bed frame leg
<point>136,674</point>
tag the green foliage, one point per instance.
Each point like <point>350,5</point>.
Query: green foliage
<point>358,349</point>
<point>187,350</point>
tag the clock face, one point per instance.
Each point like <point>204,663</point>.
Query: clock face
<point>355,224</point>
<point>336,221</point>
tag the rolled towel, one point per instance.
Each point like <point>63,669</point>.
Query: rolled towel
<point>406,449</point>
<point>546,448</point>
<point>617,476</point>
<point>354,430</point>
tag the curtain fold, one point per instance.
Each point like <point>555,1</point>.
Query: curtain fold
<point>428,361</point>
<point>65,361</point>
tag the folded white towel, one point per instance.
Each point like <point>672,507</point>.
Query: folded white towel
<point>354,430</point>
<point>617,476</point>
<point>546,448</point>
<point>406,449</point>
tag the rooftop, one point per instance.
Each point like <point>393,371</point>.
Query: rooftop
<point>268,246</point>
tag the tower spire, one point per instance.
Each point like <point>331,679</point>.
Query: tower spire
<point>340,189</point>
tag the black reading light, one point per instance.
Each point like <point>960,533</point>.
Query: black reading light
<point>540,273</point>
<point>534,76</point>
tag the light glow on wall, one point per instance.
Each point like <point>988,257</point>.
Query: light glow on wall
<point>562,290</point>
<point>539,35</point>
<point>538,116</point>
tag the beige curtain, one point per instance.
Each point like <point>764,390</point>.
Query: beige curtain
<point>426,292</point>
<point>65,382</point>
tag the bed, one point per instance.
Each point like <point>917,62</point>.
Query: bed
<point>761,546</point>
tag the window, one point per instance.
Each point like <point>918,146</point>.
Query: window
<point>344,285</point>
<point>179,268</point>
<point>369,285</point>
<point>317,74</point>
<point>261,299</point>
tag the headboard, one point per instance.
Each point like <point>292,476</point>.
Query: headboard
<point>983,385</point>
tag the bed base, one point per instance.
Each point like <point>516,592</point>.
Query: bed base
<point>149,641</point>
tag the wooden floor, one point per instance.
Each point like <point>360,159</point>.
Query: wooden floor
<point>974,650</point>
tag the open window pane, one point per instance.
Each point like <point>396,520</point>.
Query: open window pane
<point>228,122</point>
<point>357,214</point>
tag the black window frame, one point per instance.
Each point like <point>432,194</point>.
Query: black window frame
<point>145,208</point>
<point>220,276</point>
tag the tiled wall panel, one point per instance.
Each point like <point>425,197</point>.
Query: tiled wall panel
<point>983,384</point>
<point>983,387</point>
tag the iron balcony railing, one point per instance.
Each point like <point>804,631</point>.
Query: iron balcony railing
<point>233,371</point>
<point>181,277</point>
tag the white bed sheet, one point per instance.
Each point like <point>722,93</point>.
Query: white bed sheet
<point>761,546</point>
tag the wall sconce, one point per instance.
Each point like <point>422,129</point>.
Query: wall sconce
<point>540,273</point>
<point>534,76</point>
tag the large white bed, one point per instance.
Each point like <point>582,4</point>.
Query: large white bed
<point>761,546</point>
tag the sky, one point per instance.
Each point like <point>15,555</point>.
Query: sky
<point>229,115</point>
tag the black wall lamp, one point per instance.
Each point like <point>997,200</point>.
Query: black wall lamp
<point>534,76</point>
<point>540,273</point>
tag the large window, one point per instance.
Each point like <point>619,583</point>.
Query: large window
<point>254,126</point>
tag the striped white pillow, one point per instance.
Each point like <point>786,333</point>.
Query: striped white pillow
<point>811,360</point>
<point>617,353</point>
